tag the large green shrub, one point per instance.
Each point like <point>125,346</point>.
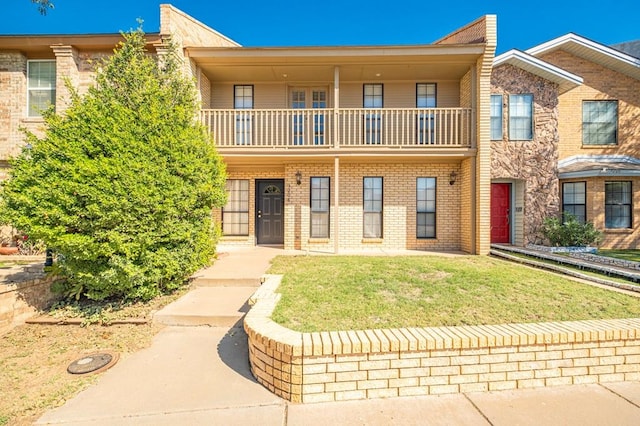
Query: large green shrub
<point>122,185</point>
<point>570,232</point>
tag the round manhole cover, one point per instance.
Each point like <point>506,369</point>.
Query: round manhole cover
<point>92,363</point>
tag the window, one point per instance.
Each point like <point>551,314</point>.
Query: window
<point>426,207</point>
<point>298,102</point>
<point>320,207</point>
<point>574,195</point>
<point>617,204</point>
<point>372,200</point>
<point>372,121</point>
<point>41,86</point>
<point>521,117</point>
<point>243,99</point>
<point>304,98</point>
<point>235,215</point>
<point>599,122</point>
<point>319,101</point>
<point>426,98</point>
<point>496,117</point>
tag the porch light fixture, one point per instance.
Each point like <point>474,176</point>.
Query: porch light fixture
<point>452,177</point>
<point>298,178</point>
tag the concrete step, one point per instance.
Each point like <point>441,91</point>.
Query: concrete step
<point>212,306</point>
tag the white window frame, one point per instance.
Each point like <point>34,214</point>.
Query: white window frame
<point>520,123</point>
<point>596,130</point>
<point>496,117</point>
<point>51,88</point>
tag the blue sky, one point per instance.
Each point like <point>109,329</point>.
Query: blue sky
<point>521,24</point>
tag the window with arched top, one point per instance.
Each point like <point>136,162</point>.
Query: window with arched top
<point>272,189</point>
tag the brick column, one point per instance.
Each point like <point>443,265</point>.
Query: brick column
<point>66,68</point>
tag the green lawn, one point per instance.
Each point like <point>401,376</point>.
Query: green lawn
<point>633,255</point>
<point>360,292</point>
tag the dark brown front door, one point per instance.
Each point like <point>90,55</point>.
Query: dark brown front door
<point>500,212</point>
<point>270,212</point>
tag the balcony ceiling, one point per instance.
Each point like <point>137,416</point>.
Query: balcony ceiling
<point>318,64</point>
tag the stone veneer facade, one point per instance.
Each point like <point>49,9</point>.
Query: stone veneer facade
<point>367,364</point>
<point>533,162</point>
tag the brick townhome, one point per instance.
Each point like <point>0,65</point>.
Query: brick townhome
<point>566,137</point>
<point>335,149</point>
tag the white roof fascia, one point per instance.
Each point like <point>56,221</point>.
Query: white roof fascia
<point>602,158</point>
<point>605,52</point>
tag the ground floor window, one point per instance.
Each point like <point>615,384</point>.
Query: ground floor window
<point>426,207</point>
<point>574,195</point>
<point>235,215</point>
<point>617,204</point>
<point>372,206</point>
<point>320,207</point>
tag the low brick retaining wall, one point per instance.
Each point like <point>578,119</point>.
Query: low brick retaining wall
<point>22,295</point>
<point>346,365</point>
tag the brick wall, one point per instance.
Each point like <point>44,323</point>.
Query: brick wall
<point>399,205</point>
<point>367,364</point>
<point>77,66</point>
<point>23,298</point>
<point>600,83</point>
<point>595,208</point>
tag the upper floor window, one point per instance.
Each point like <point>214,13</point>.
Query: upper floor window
<point>426,98</point>
<point>320,207</point>
<point>41,86</point>
<point>372,98</point>
<point>521,117</point>
<point>574,199</point>
<point>426,95</point>
<point>496,117</point>
<point>599,122</point>
<point>243,99</point>
<point>617,204</point>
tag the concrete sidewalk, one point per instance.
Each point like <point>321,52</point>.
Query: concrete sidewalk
<point>199,375</point>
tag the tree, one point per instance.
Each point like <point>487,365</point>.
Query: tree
<point>122,185</point>
<point>43,5</point>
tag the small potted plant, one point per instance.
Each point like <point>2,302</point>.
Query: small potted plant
<point>5,247</point>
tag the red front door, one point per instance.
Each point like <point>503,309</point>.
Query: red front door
<point>500,211</point>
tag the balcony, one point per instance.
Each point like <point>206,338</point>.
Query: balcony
<point>354,128</point>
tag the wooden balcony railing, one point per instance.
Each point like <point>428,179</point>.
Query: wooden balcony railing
<point>328,128</point>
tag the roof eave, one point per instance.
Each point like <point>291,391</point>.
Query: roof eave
<point>572,43</point>
<point>565,80</point>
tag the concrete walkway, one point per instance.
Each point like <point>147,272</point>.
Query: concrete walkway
<point>199,375</point>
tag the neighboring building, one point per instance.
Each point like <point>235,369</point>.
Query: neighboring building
<point>33,70</point>
<point>565,137</point>
<point>631,48</point>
